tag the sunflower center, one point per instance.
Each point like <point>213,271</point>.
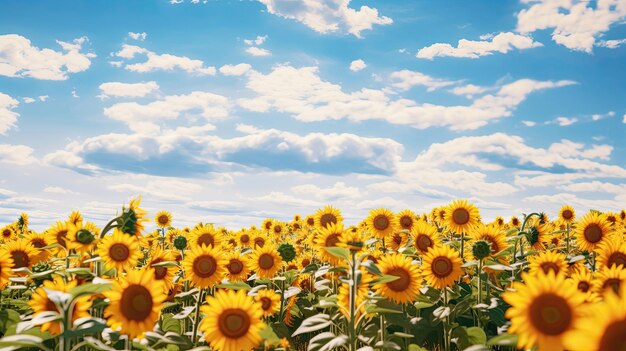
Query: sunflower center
<point>612,283</point>
<point>549,266</point>
<point>38,243</point>
<point>163,219</point>
<point>136,302</point>
<point>206,239</point>
<point>50,306</point>
<point>423,242</point>
<point>593,233</point>
<point>310,221</point>
<point>567,214</point>
<point>266,261</point>
<point>397,238</point>
<point>381,222</point>
<point>441,266</point>
<point>260,242</point>
<point>403,281</point>
<point>61,235</point>
<point>406,222</point>
<point>235,266</point>
<point>204,266</point>
<point>327,218</point>
<point>6,233</point>
<point>233,323</point>
<point>245,238</point>
<point>550,314</point>
<point>278,229</point>
<point>583,286</point>
<point>515,222</point>
<point>20,259</point>
<point>305,262</point>
<point>614,337</point>
<point>460,216</point>
<point>617,258</point>
<point>266,303</point>
<point>332,240</point>
<point>119,252</point>
<point>159,272</point>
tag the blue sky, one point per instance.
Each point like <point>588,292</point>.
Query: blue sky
<point>233,111</point>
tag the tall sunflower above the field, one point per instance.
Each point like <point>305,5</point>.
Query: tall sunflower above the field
<point>326,216</point>
<point>567,214</point>
<point>132,218</point>
<point>163,219</point>
<point>461,216</point>
<point>382,223</point>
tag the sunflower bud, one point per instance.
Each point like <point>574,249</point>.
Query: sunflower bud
<point>127,221</point>
<point>180,242</point>
<point>84,236</point>
<point>481,249</point>
<point>287,252</point>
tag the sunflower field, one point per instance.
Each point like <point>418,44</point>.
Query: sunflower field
<point>443,280</point>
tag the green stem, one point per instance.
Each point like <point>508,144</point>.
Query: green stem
<point>567,239</point>
<point>446,324</point>
<point>353,290</point>
<point>282,300</point>
<point>462,246</point>
<point>196,321</point>
<point>109,226</point>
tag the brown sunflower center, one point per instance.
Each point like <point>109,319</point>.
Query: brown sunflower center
<point>206,239</point>
<point>583,286</point>
<point>397,238</point>
<point>381,222</point>
<point>6,233</point>
<point>442,266</point>
<point>549,266</point>
<point>617,258</point>
<point>593,233</point>
<point>136,302</point>
<point>61,235</point>
<point>310,221</point>
<point>550,314</point>
<point>50,306</point>
<point>38,243</point>
<point>119,252</point>
<point>614,337</point>
<point>260,242</point>
<point>305,262</point>
<point>327,218</point>
<point>406,222</point>
<point>332,240</point>
<point>159,272</point>
<point>235,266</point>
<point>266,303</point>
<point>266,261</point>
<point>567,214</point>
<point>204,266</point>
<point>163,219</point>
<point>403,281</point>
<point>423,242</point>
<point>233,323</point>
<point>460,216</point>
<point>612,283</point>
<point>20,259</point>
<point>515,222</point>
<point>245,238</point>
<point>278,229</point>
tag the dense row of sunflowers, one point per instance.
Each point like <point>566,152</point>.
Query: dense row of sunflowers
<point>396,281</point>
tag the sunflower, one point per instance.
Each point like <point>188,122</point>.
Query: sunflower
<point>406,219</point>
<point>352,239</point>
<point>611,252</point>
<point>583,280</point>
<point>425,236</point>
<point>204,266</point>
<point>441,266</point>
<point>265,261</point>
<point>609,278</point>
<point>406,287</point>
<point>567,214</point>
<point>304,261</point>
<point>382,222</point>
<point>330,236</point>
<point>547,261</point>
<point>514,222</point>
<point>491,234</point>
<point>133,217</point>
<point>461,216</point>
<point>326,216</point>
<point>22,223</point>
<point>22,253</point>
<point>244,238</point>
<point>538,233</point>
<point>6,264</point>
<point>498,221</point>
<point>161,273</point>
<point>163,219</point>
<point>603,329</point>
<point>39,241</point>
<point>397,241</point>
<point>269,301</point>
<point>58,235</point>
<point>232,321</point>
<point>119,251</point>
<point>8,233</point>
<point>75,217</point>
<point>237,268</point>
<point>135,302</point>
<point>204,235</point>
<point>310,221</point>
<point>343,295</point>
<point>259,239</point>
<point>83,238</point>
<point>591,231</point>
<point>543,309</point>
<point>40,302</point>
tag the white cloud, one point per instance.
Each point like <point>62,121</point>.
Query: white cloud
<point>611,44</point>
<point>28,100</point>
<point>328,16</point>
<point>120,89</point>
<point>16,154</point>
<point>18,58</point>
<point>144,118</point>
<point>338,191</point>
<point>307,97</point>
<point>58,190</point>
<point>564,121</point>
<point>406,79</point>
<point>8,118</point>
<point>235,70</point>
<point>624,120</point>
<point>357,65</point>
<point>43,98</point>
<point>161,62</point>
<point>468,90</point>
<point>575,24</point>
<point>258,41</point>
<point>138,36</point>
<point>503,43</point>
<point>256,51</point>
<point>529,123</point>
<point>172,189</point>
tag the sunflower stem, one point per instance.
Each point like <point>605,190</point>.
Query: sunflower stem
<point>446,324</point>
<point>282,299</point>
<point>109,226</point>
<point>353,290</point>
<point>196,320</point>
<point>462,246</point>
<point>567,239</point>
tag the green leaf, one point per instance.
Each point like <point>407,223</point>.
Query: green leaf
<point>386,278</point>
<point>234,286</point>
<point>503,340</point>
<point>421,305</point>
<point>476,336</point>
<point>268,334</point>
<point>89,289</point>
<point>371,267</point>
<point>313,323</point>
<point>414,347</point>
<point>340,252</point>
<point>169,324</point>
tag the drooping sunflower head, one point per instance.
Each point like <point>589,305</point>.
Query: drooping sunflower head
<point>326,216</point>
<point>425,236</point>
<point>204,266</point>
<point>547,261</point>
<point>382,222</point>
<point>132,219</point>
<point>591,231</point>
<point>163,219</point>
<point>269,301</point>
<point>441,266</point>
<point>135,302</point>
<point>543,309</point>
<point>58,234</point>
<point>205,235</point>
<point>406,287</point>
<point>406,219</point>
<point>232,321</point>
<point>567,214</point>
<point>330,236</point>
<point>265,261</point>
<point>22,223</point>
<point>236,267</point>
<point>461,216</point>
<point>538,233</point>
<point>119,251</point>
